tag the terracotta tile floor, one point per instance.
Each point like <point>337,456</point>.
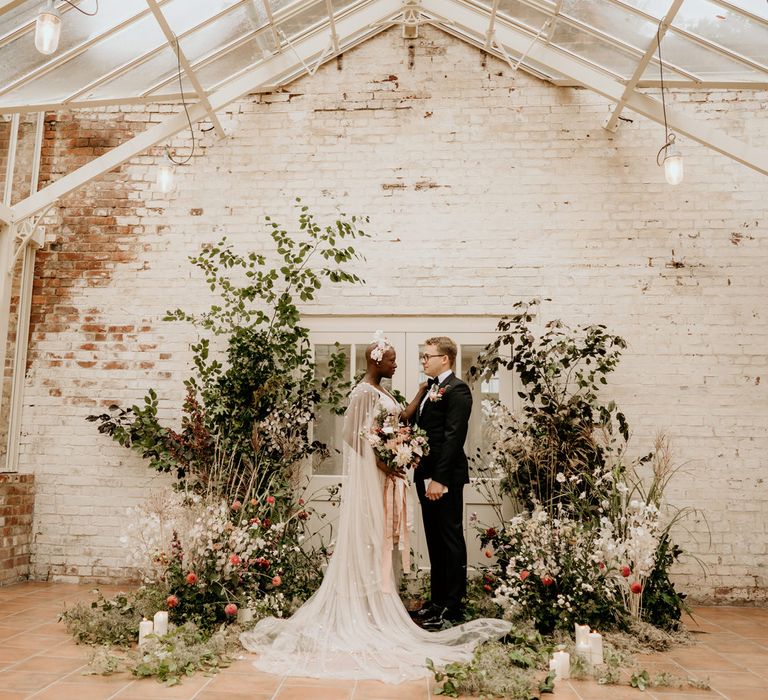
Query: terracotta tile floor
<point>38,660</point>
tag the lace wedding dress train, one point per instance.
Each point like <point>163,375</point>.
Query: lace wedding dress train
<point>355,626</point>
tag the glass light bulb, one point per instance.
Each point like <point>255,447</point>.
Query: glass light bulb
<point>47,29</point>
<point>673,168</point>
<point>165,176</point>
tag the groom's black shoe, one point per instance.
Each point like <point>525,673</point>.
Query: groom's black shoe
<point>425,612</point>
<point>442,619</point>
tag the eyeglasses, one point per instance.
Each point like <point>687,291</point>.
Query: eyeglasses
<point>426,358</point>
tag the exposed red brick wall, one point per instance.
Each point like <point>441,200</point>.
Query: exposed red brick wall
<point>17,503</point>
<point>90,236</point>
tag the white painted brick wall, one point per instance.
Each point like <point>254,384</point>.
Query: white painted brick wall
<point>484,187</point>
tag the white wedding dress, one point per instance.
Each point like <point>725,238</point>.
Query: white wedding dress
<point>355,625</point>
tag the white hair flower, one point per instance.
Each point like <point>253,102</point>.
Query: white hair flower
<point>382,345</point>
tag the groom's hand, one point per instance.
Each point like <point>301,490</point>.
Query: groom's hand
<point>434,491</point>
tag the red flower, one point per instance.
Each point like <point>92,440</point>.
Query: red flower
<point>266,523</point>
<point>230,609</point>
<point>488,553</point>
<point>301,501</point>
<point>600,565</point>
<point>236,505</point>
<point>191,578</point>
<point>276,581</point>
<point>255,521</point>
<point>547,580</point>
<point>636,587</point>
<point>303,515</point>
<point>234,559</point>
<point>254,502</point>
<point>270,500</point>
<point>491,532</point>
<point>172,601</point>
<point>524,574</point>
<point>487,588</point>
<point>625,571</point>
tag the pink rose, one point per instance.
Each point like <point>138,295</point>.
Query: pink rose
<point>191,578</point>
<point>547,580</point>
<point>234,560</point>
<point>254,502</point>
<point>271,500</point>
<point>172,601</point>
<point>625,571</point>
<point>301,501</point>
<point>276,581</point>
<point>524,574</point>
<point>488,553</point>
<point>230,609</point>
<point>636,587</point>
<point>236,505</point>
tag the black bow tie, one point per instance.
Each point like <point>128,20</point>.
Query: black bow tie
<point>432,382</point>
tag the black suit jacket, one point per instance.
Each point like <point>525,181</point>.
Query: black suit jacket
<point>446,422</point>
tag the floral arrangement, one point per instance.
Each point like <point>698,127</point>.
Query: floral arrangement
<point>592,543</point>
<point>213,558</point>
<point>397,446</point>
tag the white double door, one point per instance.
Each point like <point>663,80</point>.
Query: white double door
<point>407,336</point>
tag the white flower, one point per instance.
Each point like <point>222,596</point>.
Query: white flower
<point>560,478</point>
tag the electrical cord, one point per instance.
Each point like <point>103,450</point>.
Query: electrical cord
<point>88,14</point>
<point>669,138</point>
<point>186,111</point>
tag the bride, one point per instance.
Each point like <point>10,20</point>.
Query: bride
<point>355,626</point>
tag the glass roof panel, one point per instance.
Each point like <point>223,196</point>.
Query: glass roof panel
<point>705,63</point>
<point>307,17</point>
<point>137,79</point>
<point>182,15</point>
<point>246,55</point>
<point>520,13</point>
<point>655,8</point>
<point>232,26</point>
<point>613,21</point>
<point>609,57</point>
<point>731,30</point>
<point>11,20</point>
<point>117,49</point>
<point>20,57</point>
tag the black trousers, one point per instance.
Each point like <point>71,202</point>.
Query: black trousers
<point>444,531</point>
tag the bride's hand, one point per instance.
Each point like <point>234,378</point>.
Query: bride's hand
<point>397,473</point>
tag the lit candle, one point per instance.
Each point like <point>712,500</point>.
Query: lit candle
<point>562,665</point>
<point>145,627</point>
<point>161,623</point>
<point>582,635</point>
<point>596,648</point>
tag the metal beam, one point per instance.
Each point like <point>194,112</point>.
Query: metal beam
<point>613,120</point>
<point>173,41</point>
<point>694,128</point>
<point>349,27</point>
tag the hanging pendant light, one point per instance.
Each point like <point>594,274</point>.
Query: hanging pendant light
<point>672,159</point>
<point>166,174</point>
<point>673,162</point>
<point>47,29</point>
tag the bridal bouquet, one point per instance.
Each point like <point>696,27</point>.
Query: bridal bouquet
<point>397,446</point>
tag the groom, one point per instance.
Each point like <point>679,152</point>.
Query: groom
<point>442,409</point>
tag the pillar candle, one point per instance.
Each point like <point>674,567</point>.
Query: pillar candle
<point>562,665</point>
<point>582,635</point>
<point>161,623</point>
<point>596,648</point>
<point>145,627</point>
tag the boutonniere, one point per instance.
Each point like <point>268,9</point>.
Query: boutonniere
<point>436,393</point>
